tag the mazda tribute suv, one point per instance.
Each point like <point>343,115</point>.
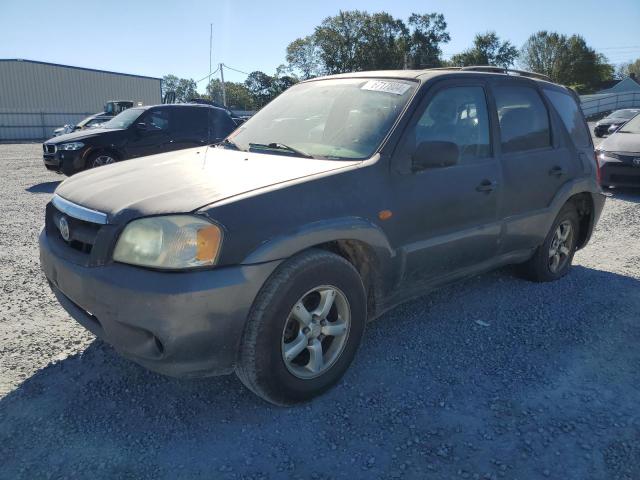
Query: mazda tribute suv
<point>266,254</point>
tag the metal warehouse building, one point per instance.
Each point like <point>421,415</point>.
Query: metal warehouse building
<point>37,97</point>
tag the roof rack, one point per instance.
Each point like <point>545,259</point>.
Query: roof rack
<point>506,71</point>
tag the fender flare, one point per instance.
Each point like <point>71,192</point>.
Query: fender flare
<point>316,233</point>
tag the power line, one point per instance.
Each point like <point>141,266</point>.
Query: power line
<point>235,69</point>
<point>208,75</point>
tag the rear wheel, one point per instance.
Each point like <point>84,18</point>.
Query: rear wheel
<point>304,328</point>
<point>552,260</point>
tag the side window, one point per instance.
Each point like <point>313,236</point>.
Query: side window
<point>190,120</point>
<point>221,124</point>
<point>524,120</point>
<point>571,116</point>
<point>157,120</point>
<point>458,115</point>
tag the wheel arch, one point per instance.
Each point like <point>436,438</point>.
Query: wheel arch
<point>360,242</point>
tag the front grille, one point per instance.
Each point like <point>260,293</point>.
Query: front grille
<point>624,156</point>
<point>82,234</point>
<point>49,148</point>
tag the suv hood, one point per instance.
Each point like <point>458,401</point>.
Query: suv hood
<point>184,181</point>
<point>80,135</point>
<point>621,142</point>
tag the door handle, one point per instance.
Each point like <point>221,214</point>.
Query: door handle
<point>557,171</point>
<point>487,186</point>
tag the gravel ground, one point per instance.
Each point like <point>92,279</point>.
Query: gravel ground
<point>491,378</point>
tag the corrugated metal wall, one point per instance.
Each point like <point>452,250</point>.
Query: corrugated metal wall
<point>37,97</point>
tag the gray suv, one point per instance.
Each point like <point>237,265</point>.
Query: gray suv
<point>268,253</point>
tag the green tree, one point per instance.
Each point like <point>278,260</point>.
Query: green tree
<point>355,40</point>
<point>567,60</point>
<point>427,33</point>
<point>169,83</point>
<point>303,55</point>
<point>238,95</point>
<point>626,69</point>
<point>185,89</point>
<point>487,50</point>
<point>260,86</point>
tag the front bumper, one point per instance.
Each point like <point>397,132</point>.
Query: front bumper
<point>184,324</point>
<point>74,159</point>
<point>619,174</point>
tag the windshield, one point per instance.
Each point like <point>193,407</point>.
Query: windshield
<point>124,119</point>
<point>624,114</point>
<point>632,126</point>
<point>336,119</point>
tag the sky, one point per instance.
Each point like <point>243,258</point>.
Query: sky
<point>159,37</point>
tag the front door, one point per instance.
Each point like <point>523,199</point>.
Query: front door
<point>150,134</point>
<point>451,212</point>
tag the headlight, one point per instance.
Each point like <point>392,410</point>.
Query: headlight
<point>172,242</point>
<point>71,146</point>
<point>604,157</point>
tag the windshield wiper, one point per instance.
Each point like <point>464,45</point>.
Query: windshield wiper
<point>280,146</point>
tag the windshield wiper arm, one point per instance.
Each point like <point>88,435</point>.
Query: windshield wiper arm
<point>281,146</point>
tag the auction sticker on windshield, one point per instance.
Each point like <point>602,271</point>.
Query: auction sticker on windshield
<point>397,88</point>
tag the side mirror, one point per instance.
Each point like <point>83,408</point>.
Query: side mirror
<point>434,154</point>
<point>142,127</point>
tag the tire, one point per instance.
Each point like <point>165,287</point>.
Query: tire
<point>540,267</point>
<point>99,159</point>
<point>271,323</point>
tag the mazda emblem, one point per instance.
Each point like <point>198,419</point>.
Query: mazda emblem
<point>636,161</point>
<point>63,226</point>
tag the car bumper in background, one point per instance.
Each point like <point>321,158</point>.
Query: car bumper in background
<point>72,158</point>
<point>184,324</point>
<point>619,174</point>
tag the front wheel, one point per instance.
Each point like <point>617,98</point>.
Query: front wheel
<point>552,260</point>
<point>100,159</point>
<point>304,328</point>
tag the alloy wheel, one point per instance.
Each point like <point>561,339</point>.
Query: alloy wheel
<point>316,332</point>
<point>102,160</point>
<point>561,245</point>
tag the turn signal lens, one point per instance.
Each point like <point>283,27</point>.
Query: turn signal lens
<point>208,243</point>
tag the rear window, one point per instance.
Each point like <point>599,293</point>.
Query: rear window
<point>571,116</point>
<point>524,120</point>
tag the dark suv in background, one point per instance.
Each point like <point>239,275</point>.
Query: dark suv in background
<point>138,132</point>
<point>341,198</point>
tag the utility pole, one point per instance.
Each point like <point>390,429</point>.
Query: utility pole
<point>224,90</point>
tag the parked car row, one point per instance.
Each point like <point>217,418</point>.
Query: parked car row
<point>267,253</point>
<point>137,132</point>
<point>111,108</point>
<point>614,121</point>
<point>619,156</point>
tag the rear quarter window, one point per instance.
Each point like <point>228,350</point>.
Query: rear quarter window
<point>569,112</point>
<point>524,120</point>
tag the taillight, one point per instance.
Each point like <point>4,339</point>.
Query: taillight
<point>595,155</point>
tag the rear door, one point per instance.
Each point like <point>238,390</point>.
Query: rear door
<point>449,214</point>
<point>535,162</point>
<point>189,127</point>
